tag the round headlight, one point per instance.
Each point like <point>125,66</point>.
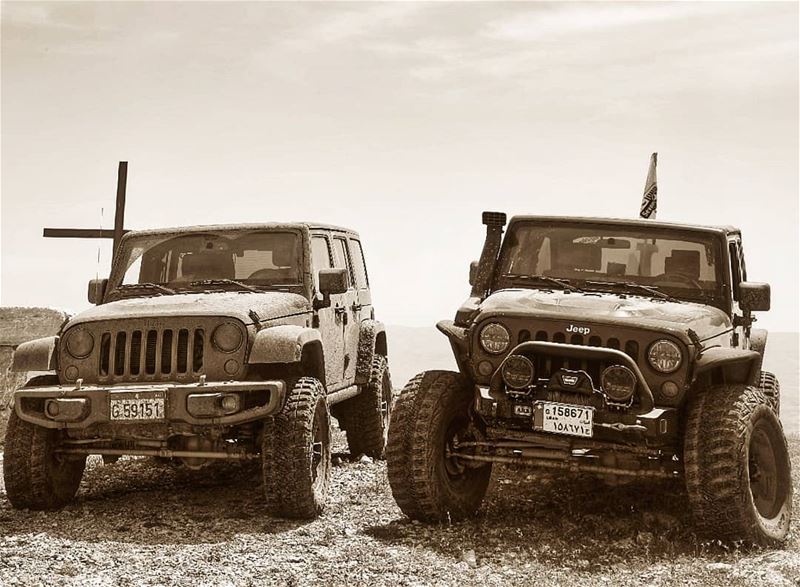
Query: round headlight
<point>618,383</point>
<point>79,343</point>
<point>517,371</point>
<point>664,356</point>
<point>227,337</point>
<point>495,338</point>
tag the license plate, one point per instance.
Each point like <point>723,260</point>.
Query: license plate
<point>138,406</point>
<point>563,418</point>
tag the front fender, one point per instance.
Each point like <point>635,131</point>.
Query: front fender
<point>282,344</point>
<point>371,340</point>
<point>729,365</point>
<point>36,355</point>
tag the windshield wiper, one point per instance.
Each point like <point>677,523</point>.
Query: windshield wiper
<point>562,283</point>
<point>243,286</point>
<point>146,285</point>
<point>652,290</point>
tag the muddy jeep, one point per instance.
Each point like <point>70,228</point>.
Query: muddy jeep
<point>209,342</point>
<point>620,348</point>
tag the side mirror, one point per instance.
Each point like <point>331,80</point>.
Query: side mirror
<point>97,289</point>
<point>473,272</point>
<point>754,297</point>
<point>331,282</point>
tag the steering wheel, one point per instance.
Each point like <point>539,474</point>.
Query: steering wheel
<point>682,277</point>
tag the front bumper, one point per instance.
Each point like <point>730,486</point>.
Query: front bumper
<point>82,406</point>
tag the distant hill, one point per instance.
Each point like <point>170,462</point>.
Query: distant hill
<point>415,349</point>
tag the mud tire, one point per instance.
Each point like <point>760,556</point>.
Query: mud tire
<point>426,485</point>
<point>771,387</point>
<point>368,414</point>
<point>35,477</point>
<point>296,453</point>
<point>737,468</point>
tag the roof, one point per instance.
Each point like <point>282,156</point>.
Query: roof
<point>242,226</point>
<point>638,222</point>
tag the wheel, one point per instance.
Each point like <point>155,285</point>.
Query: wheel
<point>296,453</point>
<point>432,412</point>
<point>366,416</point>
<point>737,468</point>
<point>771,387</point>
<point>36,477</point>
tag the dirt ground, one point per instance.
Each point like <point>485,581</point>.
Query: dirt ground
<point>140,523</point>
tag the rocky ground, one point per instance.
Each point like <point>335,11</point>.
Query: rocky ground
<point>140,523</point>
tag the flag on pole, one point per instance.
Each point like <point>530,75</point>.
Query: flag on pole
<point>650,197</point>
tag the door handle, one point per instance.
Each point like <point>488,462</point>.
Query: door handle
<point>356,307</point>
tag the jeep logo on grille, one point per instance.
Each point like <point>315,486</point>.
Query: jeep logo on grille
<point>569,379</point>
<point>579,329</point>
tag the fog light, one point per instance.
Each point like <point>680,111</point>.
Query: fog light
<point>618,383</point>
<point>51,408</point>
<point>517,371</point>
<point>670,389</point>
<point>485,368</point>
<point>230,403</point>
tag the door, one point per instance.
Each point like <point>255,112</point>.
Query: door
<point>348,310</point>
<point>361,278</point>
<point>329,322</point>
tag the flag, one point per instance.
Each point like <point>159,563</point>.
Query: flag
<point>650,197</point>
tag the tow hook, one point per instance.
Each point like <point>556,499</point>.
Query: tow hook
<point>620,427</point>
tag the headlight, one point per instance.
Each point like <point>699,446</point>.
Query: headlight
<point>517,372</point>
<point>664,356</point>
<point>618,383</point>
<point>494,338</point>
<point>227,337</point>
<point>79,343</point>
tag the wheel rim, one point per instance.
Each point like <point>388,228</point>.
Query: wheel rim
<point>766,484</point>
<point>319,449</point>
<point>453,466</point>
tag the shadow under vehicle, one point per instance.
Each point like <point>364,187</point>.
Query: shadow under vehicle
<point>209,342</point>
<point>621,348</point>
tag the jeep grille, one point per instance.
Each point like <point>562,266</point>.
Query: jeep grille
<point>165,352</point>
<point>546,365</point>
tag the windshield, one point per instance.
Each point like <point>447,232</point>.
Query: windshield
<point>615,258</point>
<point>237,260</point>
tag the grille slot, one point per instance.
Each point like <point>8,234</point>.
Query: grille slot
<point>151,354</point>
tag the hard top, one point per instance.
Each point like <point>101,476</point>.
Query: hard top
<point>243,226</point>
<point>634,222</point>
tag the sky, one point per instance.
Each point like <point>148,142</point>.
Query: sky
<point>401,120</point>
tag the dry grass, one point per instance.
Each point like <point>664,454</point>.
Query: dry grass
<point>136,523</point>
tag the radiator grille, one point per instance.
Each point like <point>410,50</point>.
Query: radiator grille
<point>154,354</point>
<point>547,365</point>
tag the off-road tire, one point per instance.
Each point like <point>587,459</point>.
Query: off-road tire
<point>771,387</point>
<point>296,453</point>
<point>35,477</point>
<point>425,486</point>
<point>367,415</point>
<point>729,430</point>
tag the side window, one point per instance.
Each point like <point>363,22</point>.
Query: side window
<point>736,271</point>
<point>359,267</point>
<point>320,255</point>
<point>342,258</point>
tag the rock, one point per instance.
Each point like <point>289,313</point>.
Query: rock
<point>365,460</point>
<point>469,557</point>
<point>718,567</point>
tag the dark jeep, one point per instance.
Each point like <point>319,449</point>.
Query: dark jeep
<point>210,342</point>
<point>621,348</point>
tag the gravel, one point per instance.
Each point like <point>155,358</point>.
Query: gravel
<point>139,522</point>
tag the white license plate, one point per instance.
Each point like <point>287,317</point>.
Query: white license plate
<point>139,406</point>
<point>563,418</point>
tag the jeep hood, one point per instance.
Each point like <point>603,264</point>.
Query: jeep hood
<point>269,305</point>
<point>608,308</point>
